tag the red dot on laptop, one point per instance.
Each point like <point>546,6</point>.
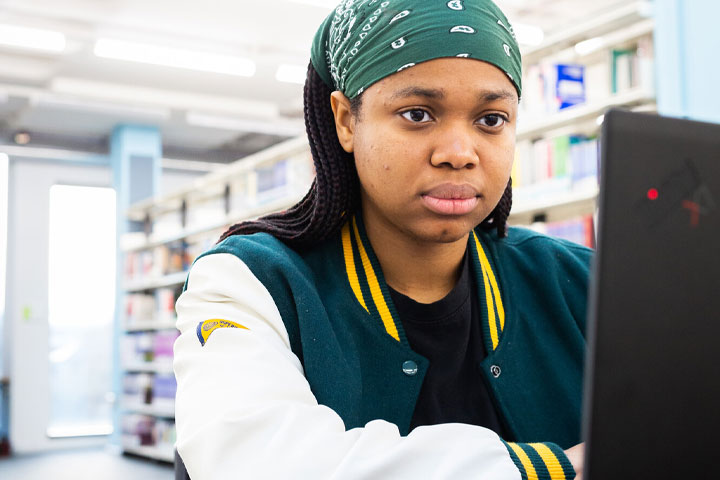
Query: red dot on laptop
<point>652,194</point>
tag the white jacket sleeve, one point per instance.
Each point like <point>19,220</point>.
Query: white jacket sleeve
<point>244,409</point>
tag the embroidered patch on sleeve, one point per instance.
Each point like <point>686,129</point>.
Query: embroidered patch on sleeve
<point>204,329</point>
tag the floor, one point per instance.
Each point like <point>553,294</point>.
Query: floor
<point>83,464</point>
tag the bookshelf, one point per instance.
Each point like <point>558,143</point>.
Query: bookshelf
<point>615,25</point>
<point>579,114</point>
<point>569,82</point>
<point>169,280</point>
<point>163,412</point>
<point>555,190</point>
<point>154,453</point>
<point>176,228</point>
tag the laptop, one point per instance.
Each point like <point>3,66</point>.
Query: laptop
<point>652,383</point>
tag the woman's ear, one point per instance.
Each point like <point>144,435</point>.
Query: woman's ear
<point>344,120</point>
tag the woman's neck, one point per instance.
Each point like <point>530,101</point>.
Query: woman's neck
<point>423,271</point>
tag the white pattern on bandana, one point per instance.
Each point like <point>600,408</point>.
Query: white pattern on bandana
<point>509,29</point>
<point>462,29</point>
<point>357,25</point>
<point>400,42</point>
<point>339,51</point>
<point>400,15</point>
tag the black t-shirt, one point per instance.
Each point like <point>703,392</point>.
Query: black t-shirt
<point>449,334</point>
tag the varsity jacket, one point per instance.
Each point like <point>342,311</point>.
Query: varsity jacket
<point>293,364</point>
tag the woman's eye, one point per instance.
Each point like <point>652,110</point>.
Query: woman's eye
<point>416,116</point>
<point>493,120</point>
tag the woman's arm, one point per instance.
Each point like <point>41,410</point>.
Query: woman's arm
<point>245,410</point>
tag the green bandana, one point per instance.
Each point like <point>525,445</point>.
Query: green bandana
<point>364,41</point>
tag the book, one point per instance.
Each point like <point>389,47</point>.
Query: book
<point>580,230</point>
<point>569,85</point>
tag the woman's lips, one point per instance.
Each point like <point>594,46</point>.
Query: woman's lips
<point>449,199</point>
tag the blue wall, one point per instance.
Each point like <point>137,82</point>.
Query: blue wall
<point>687,54</point>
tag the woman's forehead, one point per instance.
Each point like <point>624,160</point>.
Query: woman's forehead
<point>439,77</point>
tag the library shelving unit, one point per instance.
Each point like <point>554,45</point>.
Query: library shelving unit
<point>555,184</point>
<point>175,228</point>
<point>569,82</point>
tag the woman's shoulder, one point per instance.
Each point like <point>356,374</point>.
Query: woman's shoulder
<point>269,258</point>
<point>247,246</point>
<point>524,239</point>
<point>530,250</point>
<point>526,242</point>
<point>261,252</point>
<point>541,270</point>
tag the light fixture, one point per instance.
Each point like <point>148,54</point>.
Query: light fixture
<point>32,38</point>
<point>529,35</point>
<point>113,107</point>
<point>276,127</point>
<point>590,45</point>
<point>22,138</point>
<point>133,95</point>
<point>291,74</point>
<point>174,57</point>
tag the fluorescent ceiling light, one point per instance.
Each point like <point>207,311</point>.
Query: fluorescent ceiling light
<point>174,57</point>
<point>276,127</point>
<point>588,46</point>
<point>108,108</point>
<point>32,38</point>
<point>26,68</point>
<point>291,74</point>
<point>134,95</point>
<point>45,153</point>
<point>528,34</point>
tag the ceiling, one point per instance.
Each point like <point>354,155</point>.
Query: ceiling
<point>72,99</point>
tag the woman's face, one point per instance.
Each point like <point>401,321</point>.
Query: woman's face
<point>433,147</point>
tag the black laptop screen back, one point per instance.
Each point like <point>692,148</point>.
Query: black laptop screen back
<point>652,397</point>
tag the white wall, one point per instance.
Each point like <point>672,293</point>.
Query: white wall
<point>3,250</point>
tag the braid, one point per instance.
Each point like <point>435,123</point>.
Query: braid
<point>498,217</point>
<point>333,195</point>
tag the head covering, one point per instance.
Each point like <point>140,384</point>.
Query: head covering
<point>364,41</point>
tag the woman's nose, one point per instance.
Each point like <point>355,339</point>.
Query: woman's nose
<point>455,148</point>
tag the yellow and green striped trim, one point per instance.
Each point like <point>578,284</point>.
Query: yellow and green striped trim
<point>368,284</point>
<point>540,461</point>
<point>493,311</point>
<point>367,281</point>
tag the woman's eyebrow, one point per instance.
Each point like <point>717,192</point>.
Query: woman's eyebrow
<point>487,96</point>
<point>415,91</point>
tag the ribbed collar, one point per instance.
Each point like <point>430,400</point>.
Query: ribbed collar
<point>368,285</point>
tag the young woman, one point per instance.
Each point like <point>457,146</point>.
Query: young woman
<point>390,325</point>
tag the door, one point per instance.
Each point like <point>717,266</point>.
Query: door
<point>60,303</point>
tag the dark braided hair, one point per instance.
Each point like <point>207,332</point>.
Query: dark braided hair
<point>334,195</point>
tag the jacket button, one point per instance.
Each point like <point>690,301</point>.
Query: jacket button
<point>495,370</point>
<point>410,368</point>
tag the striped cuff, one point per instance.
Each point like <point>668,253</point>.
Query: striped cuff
<point>540,461</point>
